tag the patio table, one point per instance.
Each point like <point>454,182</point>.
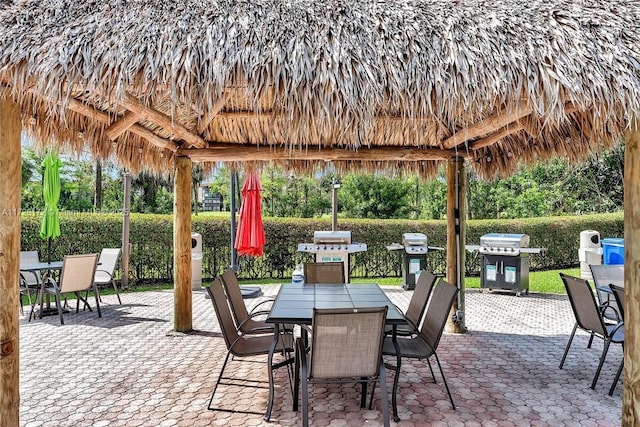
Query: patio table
<point>49,268</point>
<point>295,302</point>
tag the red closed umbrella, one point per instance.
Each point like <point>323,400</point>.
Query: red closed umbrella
<point>250,237</point>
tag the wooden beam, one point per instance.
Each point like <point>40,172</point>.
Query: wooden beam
<point>456,224</point>
<point>10,184</point>
<point>215,110</point>
<point>160,119</point>
<point>102,117</point>
<point>631,382</point>
<point>266,115</point>
<point>500,134</point>
<point>153,139</point>
<point>182,317</point>
<point>237,152</point>
<point>118,127</point>
<point>488,125</point>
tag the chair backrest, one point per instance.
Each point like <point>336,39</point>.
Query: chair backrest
<point>108,260</point>
<point>437,313</point>
<point>604,275</point>
<point>77,272</point>
<point>221,307</point>
<point>324,272</point>
<point>584,305</point>
<point>30,257</point>
<point>234,294</point>
<point>347,342</point>
<point>618,294</point>
<point>420,297</point>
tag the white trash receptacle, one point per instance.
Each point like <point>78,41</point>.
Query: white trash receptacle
<point>196,261</point>
<point>590,252</point>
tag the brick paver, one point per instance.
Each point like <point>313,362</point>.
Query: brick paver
<point>129,369</point>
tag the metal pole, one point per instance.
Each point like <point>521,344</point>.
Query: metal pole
<point>232,208</point>
<point>126,249</point>
<point>334,204</point>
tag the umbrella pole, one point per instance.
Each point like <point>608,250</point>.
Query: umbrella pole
<point>232,208</point>
<point>49,250</point>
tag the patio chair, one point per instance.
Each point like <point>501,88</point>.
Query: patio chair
<point>106,269</point>
<point>76,276</point>
<point>425,343</point>
<point>346,347</point>
<point>589,318</point>
<point>618,294</point>
<point>603,276</point>
<point>417,304</point>
<point>324,272</point>
<point>245,320</point>
<point>32,278</point>
<point>239,345</point>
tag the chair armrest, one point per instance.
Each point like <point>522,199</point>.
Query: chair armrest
<point>50,280</point>
<point>266,329</point>
<point>270,300</point>
<point>258,313</point>
<point>605,308</point>
<point>105,271</point>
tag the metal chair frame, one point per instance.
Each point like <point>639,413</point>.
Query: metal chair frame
<point>589,318</point>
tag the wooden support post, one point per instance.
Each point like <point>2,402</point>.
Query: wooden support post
<point>456,223</point>
<point>182,244</point>
<point>10,184</point>
<point>126,222</point>
<point>631,382</point>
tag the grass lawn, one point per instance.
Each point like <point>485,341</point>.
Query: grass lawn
<point>539,281</point>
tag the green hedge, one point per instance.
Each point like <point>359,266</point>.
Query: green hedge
<point>152,248</point>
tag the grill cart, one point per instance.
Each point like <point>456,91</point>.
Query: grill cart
<point>505,261</point>
<point>414,257</point>
<point>333,246</point>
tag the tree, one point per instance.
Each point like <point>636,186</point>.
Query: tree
<point>372,196</point>
<point>197,176</point>
<point>99,193</point>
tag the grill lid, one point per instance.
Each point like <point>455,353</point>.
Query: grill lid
<point>505,240</point>
<point>331,237</point>
<point>414,239</point>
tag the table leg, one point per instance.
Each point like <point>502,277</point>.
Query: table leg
<point>272,349</point>
<point>394,393</point>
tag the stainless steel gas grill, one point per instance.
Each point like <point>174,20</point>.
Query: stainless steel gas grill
<point>333,246</point>
<point>505,261</point>
<point>414,257</point>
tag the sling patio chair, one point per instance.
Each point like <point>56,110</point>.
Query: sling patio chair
<point>106,269</point>
<point>417,304</point>
<point>32,278</point>
<point>346,348</point>
<point>324,272</point>
<point>76,277</point>
<point>603,276</point>
<point>425,343</point>
<point>245,320</point>
<point>618,294</point>
<point>240,346</point>
<point>589,318</point>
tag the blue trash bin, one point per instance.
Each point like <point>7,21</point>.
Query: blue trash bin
<point>613,251</point>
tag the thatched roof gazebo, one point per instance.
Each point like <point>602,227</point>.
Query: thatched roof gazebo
<point>396,86</point>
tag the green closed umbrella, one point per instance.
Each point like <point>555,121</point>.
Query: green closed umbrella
<point>50,228</point>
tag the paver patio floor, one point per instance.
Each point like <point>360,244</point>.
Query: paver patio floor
<point>129,369</point>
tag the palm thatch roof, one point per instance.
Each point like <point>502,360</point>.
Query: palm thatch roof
<point>376,85</point>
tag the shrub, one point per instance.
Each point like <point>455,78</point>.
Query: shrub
<point>151,238</point>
